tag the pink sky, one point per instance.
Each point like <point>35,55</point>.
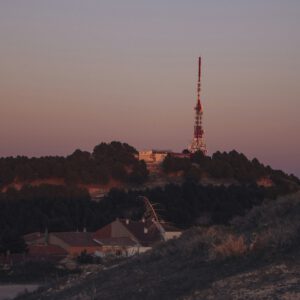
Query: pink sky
<point>75,73</point>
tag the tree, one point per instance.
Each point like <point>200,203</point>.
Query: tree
<point>12,242</point>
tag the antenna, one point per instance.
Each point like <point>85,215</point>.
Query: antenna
<point>199,80</point>
<point>198,143</point>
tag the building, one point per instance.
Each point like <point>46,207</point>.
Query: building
<point>46,252</point>
<point>60,244</point>
<point>74,243</point>
<point>127,237</point>
<point>153,156</point>
<point>122,237</point>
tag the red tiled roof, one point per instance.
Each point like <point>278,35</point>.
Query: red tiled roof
<point>76,239</point>
<point>103,233</point>
<point>117,241</point>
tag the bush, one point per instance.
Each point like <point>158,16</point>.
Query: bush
<point>232,245</point>
<point>84,258</point>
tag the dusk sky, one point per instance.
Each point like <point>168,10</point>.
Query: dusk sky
<point>76,73</point>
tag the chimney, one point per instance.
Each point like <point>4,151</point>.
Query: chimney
<point>127,221</point>
<point>145,230</point>
<point>143,220</point>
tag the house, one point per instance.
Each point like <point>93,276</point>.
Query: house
<point>153,156</point>
<point>74,243</point>
<point>122,237</point>
<point>46,252</point>
<point>157,156</point>
<point>127,237</point>
<point>60,243</point>
<point>169,231</point>
<point>38,249</point>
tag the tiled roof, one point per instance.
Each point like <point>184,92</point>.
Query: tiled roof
<point>145,232</point>
<point>104,232</point>
<point>31,237</point>
<point>116,241</point>
<point>76,239</point>
<point>137,228</point>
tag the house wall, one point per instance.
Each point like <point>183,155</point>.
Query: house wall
<point>172,235</point>
<point>152,156</point>
<point>72,250</point>
<point>147,156</point>
<point>135,250</point>
<point>122,251</point>
<point>75,251</point>
<point>159,157</point>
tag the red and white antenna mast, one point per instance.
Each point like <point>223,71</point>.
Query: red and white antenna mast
<point>198,143</point>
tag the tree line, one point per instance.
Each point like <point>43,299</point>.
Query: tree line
<point>107,161</point>
<point>69,208</point>
<point>232,165</point>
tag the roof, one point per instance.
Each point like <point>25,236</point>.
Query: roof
<point>116,241</point>
<point>145,232</point>
<point>32,237</point>
<point>104,232</point>
<point>181,155</point>
<point>76,239</point>
<point>137,228</point>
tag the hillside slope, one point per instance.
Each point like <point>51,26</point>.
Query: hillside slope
<point>258,257</point>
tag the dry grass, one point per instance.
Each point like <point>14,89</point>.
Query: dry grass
<point>231,246</point>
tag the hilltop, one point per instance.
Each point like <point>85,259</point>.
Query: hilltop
<point>117,165</point>
<point>113,164</point>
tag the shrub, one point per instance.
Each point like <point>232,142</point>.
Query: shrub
<point>232,245</point>
<point>84,258</point>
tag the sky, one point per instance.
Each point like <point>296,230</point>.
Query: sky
<point>76,73</point>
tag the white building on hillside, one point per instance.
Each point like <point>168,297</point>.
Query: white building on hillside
<point>153,156</point>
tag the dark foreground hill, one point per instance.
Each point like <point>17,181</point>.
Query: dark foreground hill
<point>256,257</point>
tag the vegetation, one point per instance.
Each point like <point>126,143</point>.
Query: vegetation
<point>66,208</point>
<point>232,165</point>
<point>107,161</point>
<point>85,258</point>
<point>204,260</point>
<point>34,271</point>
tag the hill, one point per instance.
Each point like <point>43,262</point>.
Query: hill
<point>230,168</point>
<point>116,165</point>
<point>115,161</point>
<point>257,257</point>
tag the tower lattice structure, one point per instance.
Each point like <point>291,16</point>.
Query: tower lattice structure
<point>198,143</point>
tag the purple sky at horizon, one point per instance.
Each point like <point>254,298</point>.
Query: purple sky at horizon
<point>76,73</point>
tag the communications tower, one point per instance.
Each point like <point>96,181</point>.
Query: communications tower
<point>198,143</point>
